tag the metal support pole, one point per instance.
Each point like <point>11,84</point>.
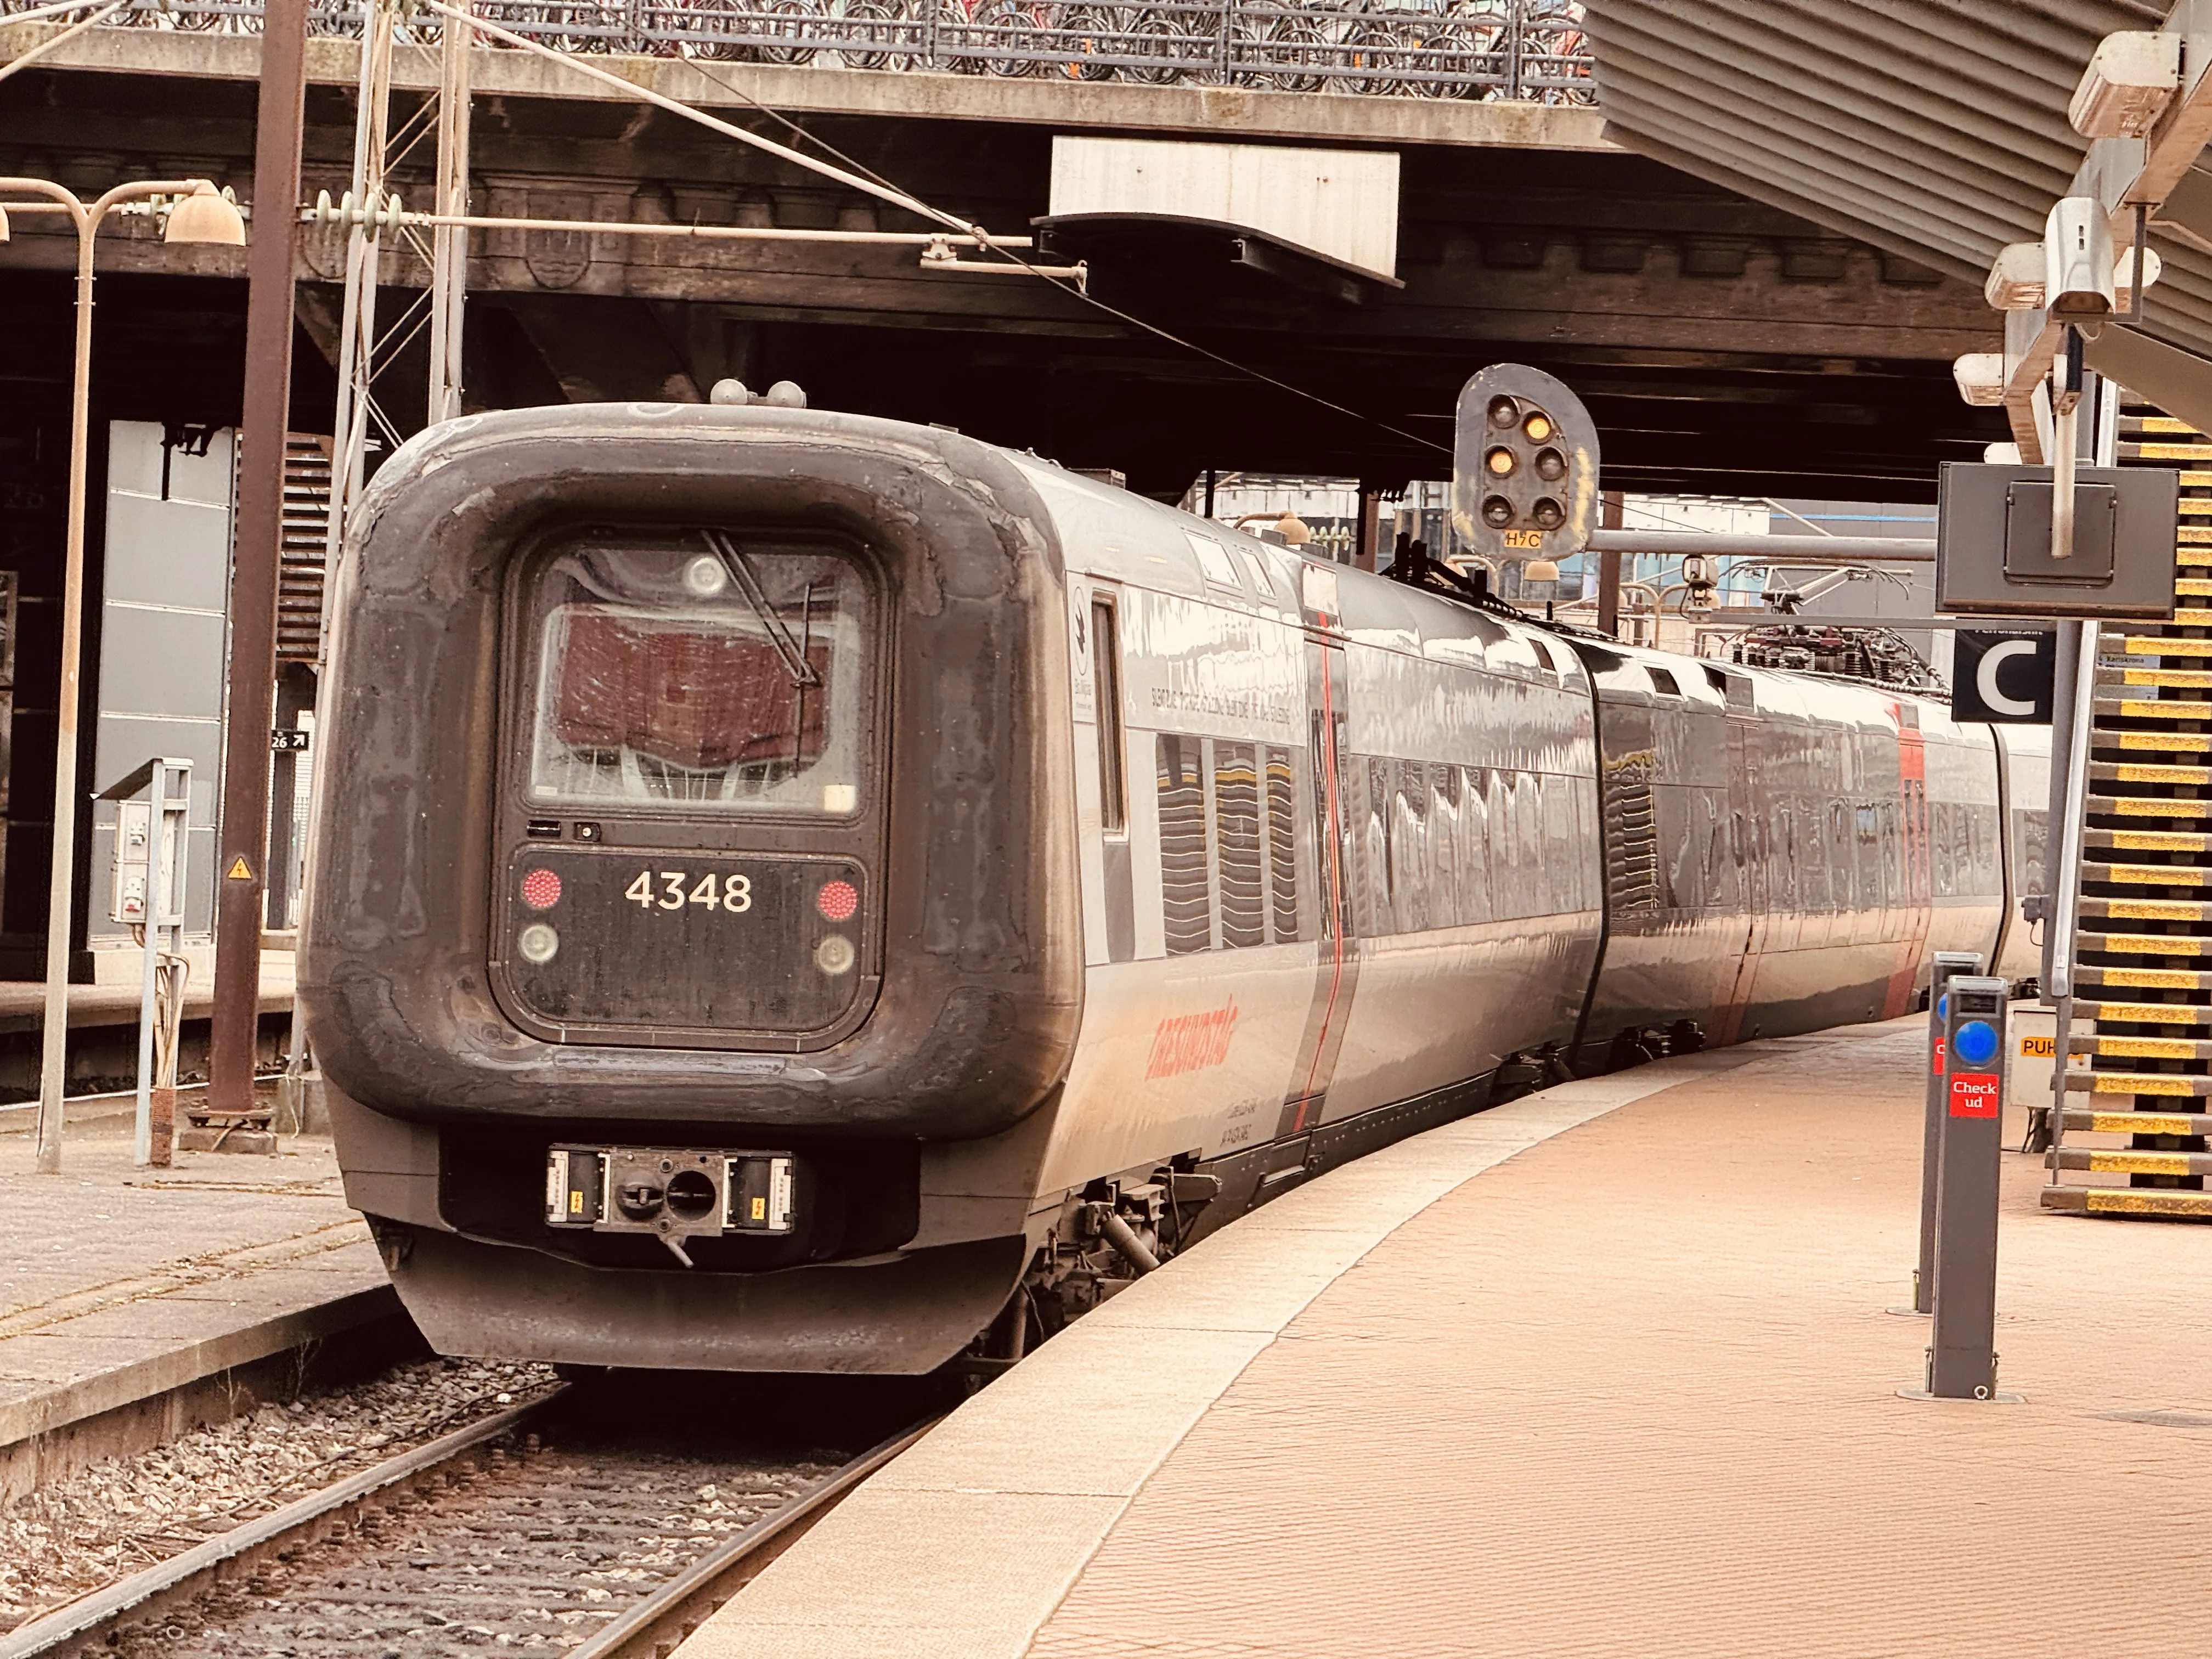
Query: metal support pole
<point>256,541</point>
<point>1944,967</point>
<point>1610,512</point>
<point>2073,720</point>
<point>157,899</point>
<point>169,804</point>
<point>1961,1353</point>
<point>449,244</point>
<point>53,1059</point>
<point>355,411</point>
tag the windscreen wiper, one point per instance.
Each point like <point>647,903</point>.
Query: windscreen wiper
<point>802,671</point>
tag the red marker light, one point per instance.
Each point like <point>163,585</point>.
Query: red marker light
<point>541,890</point>
<point>838,899</point>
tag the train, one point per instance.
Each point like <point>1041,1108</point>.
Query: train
<point>801,892</point>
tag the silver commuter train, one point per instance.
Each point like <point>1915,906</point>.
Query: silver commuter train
<point>804,892</point>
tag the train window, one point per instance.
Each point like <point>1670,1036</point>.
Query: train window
<point>1474,848</point>
<point>1257,573</point>
<point>1506,892</point>
<point>728,675</point>
<point>1106,657</point>
<point>1283,845</point>
<point>1375,920</point>
<point>1239,845</point>
<point>1183,897</point>
<point>1735,687</point>
<point>1664,682</point>
<point>1409,883</point>
<point>1562,852</point>
<point>1543,656</point>
<point>1213,560</point>
<point>1443,851</point>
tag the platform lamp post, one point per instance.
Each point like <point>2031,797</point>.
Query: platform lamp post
<point>202,216</point>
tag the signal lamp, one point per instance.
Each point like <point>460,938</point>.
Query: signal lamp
<point>1497,511</point>
<point>541,890</point>
<point>1551,465</point>
<point>838,899</point>
<point>1505,413</point>
<point>1549,513</point>
<point>1501,462</point>
<point>1538,426</point>
<point>537,944</point>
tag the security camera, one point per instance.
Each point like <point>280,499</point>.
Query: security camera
<point>1980,376</point>
<point>2017,278</point>
<point>2129,81</point>
<point>2078,259</point>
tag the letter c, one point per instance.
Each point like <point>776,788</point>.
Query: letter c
<point>1985,676</point>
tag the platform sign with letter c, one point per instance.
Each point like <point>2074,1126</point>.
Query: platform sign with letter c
<point>2002,678</point>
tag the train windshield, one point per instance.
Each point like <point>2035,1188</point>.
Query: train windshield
<point>723,674</point>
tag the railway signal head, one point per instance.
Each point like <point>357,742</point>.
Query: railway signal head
<point>1524,484</point>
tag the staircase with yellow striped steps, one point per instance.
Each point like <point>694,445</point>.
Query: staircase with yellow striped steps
<point>2136,1132</point>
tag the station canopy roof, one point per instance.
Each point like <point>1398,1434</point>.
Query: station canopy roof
<point>1934,129</point>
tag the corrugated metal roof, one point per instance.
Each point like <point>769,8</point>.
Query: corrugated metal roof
<point>1935,130</point>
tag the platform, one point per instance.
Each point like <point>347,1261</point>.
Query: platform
<point>1605,1371</point>
<point>132,1301</point>
<point>113,1001</point>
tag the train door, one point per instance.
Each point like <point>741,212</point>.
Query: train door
<point>1096,628</point>
<point>1336,974</point>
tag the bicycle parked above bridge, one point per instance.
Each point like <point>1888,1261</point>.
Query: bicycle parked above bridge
<point>1531,51</point>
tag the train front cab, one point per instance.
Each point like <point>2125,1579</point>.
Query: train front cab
<point>687,951</point>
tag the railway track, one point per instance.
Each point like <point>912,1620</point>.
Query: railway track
<point>558,1523</point>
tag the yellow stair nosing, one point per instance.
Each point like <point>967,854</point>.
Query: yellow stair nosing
<point>2095,1121</point>
<point>2150,1202</point>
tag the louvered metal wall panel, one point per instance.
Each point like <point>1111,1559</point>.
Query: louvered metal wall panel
<point>1936,131</point>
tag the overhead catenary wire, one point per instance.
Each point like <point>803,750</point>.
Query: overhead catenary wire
<point>1005,249</point>
<point>858,177</point>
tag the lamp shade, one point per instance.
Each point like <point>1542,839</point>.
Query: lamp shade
<point>206,216</point>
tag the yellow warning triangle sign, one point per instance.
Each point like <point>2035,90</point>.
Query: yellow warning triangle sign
<point>238,870</point>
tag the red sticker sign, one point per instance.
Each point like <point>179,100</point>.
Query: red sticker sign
<point>1935,1058</point>
<point>1975,1094</point>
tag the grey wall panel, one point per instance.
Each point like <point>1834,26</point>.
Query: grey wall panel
<point>161,663</point>
<point>163,642</point>
<point>167,553</point>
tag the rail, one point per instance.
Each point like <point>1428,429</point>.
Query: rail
<point>651,1625</point>
<point>1521,51</point>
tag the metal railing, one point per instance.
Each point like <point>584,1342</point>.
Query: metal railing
<point>1525,50</point>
